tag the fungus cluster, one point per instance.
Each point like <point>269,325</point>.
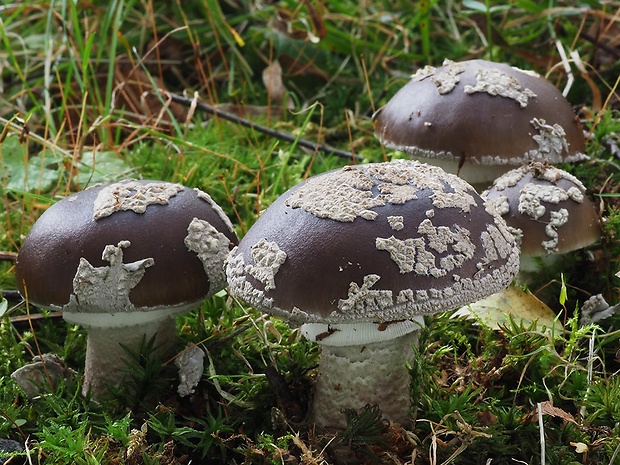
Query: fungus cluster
<point>123,260</point>
<point>356,256</point>
<point>480,119</point>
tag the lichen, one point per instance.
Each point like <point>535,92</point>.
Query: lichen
<point>134,196</point>
<point>212,248</point>
<point>496,82</point>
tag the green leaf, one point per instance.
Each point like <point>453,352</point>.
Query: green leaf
<point>21,172</point>
<point>98,167</point>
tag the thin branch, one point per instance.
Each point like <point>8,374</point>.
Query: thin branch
<point>7,256</point>
<point>210,109</point>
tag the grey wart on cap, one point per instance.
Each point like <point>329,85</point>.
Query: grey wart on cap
<point>549,210</point>
<point>480,119</point>
<point>356,256</point>
<point>122,260</point>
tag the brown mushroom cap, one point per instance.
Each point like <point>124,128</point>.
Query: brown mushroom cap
<point>177,236</point>
<point>378,242</point>
<point>481,112</point>
<point>548,206</point>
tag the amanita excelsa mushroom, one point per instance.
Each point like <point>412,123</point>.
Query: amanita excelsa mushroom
<point>480,119</point>
<point>355,256</point>
<point>549,210</point>
<point>123,260</point>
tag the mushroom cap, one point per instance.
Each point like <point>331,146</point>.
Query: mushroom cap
<point>481,112</point>
<point>166,242</point>
<point>548,206</point>
<point>373,243</point>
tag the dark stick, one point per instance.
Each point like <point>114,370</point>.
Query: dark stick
<point>8,256</point>
<point>263,129</point>
<point>10,294</point>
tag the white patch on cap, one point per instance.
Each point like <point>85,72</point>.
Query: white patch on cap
<point>442,239</point>
<point>239,285</point>
<point>497,205</point>
<point>134,196</point>
<point>353,191</point>
<point>532,195</point>
<point>460,199</point>
<point>218,210</point>
<point>495,82</point>
<point>363,300</point>
<point>551,140</point>
<point>423,73</point>
<point>106,289</point>
<point>510,179</point>
<point>396,222</point>
<point>447,78</point>
<point>557,219</point>
<point>406,253</point>
<point>212,248</point>
<point>531,198</point>
<point>268,258</point>
<point>495,244</point>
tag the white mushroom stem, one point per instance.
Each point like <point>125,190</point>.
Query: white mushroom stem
<point>479,175</point>
<point>360,373</point>
<point>109,335</point>
<point>107,357</point>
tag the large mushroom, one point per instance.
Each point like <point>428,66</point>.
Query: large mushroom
<point>480,119</point>
<point>356,256</point>
<point>549,210</point>
<point>123,259</point>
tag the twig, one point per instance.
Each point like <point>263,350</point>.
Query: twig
<point>8,256</point>
<point>603,46</point>
<point>35,317</point>
<point>210,109</point>
<point>10,294</point>
<point>541,427</point>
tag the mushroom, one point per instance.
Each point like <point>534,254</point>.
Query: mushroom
<point>122,260</point>
<point>548,208</point>
<point>356,256</point>
<point>480,119</point>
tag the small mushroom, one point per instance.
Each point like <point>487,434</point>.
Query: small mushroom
<point>123,260</point>
<point>548,208</point>
<point>480,119</point>
<point>356,256</point>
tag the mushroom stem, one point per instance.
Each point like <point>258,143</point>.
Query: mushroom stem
<point>353,376</point>
<point>108,352</point>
